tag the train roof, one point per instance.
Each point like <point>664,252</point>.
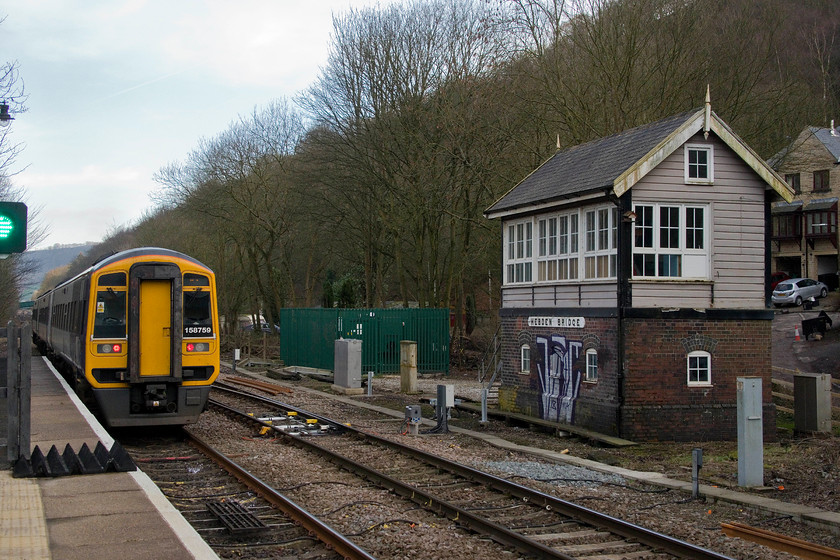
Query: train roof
<point>142,252</point>
<point>129,254</point>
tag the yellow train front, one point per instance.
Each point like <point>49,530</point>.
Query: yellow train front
<point>138,332</point>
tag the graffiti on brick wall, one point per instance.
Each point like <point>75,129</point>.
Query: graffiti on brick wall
<point>559,380</point>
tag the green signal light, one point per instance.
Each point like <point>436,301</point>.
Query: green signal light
<point>12,227</point>
<point>7,226</point>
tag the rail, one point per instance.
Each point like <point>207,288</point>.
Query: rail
<point>324,532</point>
<point>791,545</point>
<point>477,523</point>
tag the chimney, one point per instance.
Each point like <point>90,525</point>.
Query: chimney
<point>833,132</point>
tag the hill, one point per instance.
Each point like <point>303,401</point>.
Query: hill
<point>43,260</point>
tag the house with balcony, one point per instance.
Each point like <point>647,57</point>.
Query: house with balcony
<point>633,293</point>
<point>804,231</point>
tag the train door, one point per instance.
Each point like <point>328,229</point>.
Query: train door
<point>155,327</point>
<point>154,323</point>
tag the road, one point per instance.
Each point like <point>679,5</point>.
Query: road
<point>812,356</point>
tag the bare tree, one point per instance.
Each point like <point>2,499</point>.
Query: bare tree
<point>241,183</point>
<point>380,102</point>
<point>14,269</point>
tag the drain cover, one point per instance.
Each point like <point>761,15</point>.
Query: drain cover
<point>236,518</point>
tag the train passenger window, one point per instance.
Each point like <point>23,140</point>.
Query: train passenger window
<point>198,320</point>
<point>112,279</point>
<point>109,319</point>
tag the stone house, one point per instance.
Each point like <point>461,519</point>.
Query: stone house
<point>633,291</point>
<point>804,233</point>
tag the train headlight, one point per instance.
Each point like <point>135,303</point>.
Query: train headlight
<point>197,347</point>
<point>109,348</point>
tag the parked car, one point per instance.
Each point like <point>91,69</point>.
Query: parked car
<point>264,327</point>
<point>797,290</point>
<point>777,277</point>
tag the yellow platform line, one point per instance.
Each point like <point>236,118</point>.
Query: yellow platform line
<point>23,530</point>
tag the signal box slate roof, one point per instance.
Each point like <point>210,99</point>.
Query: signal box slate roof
<point>615,163</point>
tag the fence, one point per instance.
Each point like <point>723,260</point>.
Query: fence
<point>307,337</point>
<point>15,387</point>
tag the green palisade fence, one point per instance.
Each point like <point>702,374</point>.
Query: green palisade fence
<point>307,337</point>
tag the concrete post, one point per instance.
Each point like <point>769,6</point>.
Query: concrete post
<point>750,432</point>
<point>408,367</point>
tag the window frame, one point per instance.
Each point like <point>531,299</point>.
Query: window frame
<point>786,226</point>
<point>824,181</point>
<point>657,256</point>
<point>691,369</point>
<point>519,252</point>
<point>525,359</point>
<point>821,223</point>
<point>591,373</point>
<point>795,181</point>
<point>565,240</point>
<point>709,165</point>
<point>600,256</point>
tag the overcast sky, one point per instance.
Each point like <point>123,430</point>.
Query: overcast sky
<point>118,89</point>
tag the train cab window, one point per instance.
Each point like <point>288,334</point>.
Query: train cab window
<point>109,318</point>
<point>198,319</point>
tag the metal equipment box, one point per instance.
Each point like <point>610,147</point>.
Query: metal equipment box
<point>348,363</point>
<point>412,413</point>
<point>812,402</point>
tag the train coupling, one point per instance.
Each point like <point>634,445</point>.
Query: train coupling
<point>155,397</point>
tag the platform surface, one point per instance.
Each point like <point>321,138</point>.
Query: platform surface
<point>85,517</point>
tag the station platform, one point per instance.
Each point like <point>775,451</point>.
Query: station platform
<point>85,517</point>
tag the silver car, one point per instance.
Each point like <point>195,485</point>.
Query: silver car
<point>797,290</point>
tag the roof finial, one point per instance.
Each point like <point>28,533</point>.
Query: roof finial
<point>708,121</point>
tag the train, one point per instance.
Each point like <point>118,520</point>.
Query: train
<point>137,334</point>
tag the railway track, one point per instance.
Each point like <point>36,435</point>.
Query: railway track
<point>797,547</point>
<point>531,522</point>
<point>234,511</point>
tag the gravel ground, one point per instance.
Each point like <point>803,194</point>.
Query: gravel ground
<point>811,479</point>
<point>387,526</point>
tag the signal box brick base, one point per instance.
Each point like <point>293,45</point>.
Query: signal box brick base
<point>650,398</point>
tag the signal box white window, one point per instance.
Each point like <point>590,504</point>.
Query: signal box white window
<point>519,252</point>
<point>591,365</point>
<point>601,237</point>
<point>525,359</point>
<point>671,241</point>
<point>699,164</point>
<point>563,247</point>
<point>558,247</point>
<point>699,368</point>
